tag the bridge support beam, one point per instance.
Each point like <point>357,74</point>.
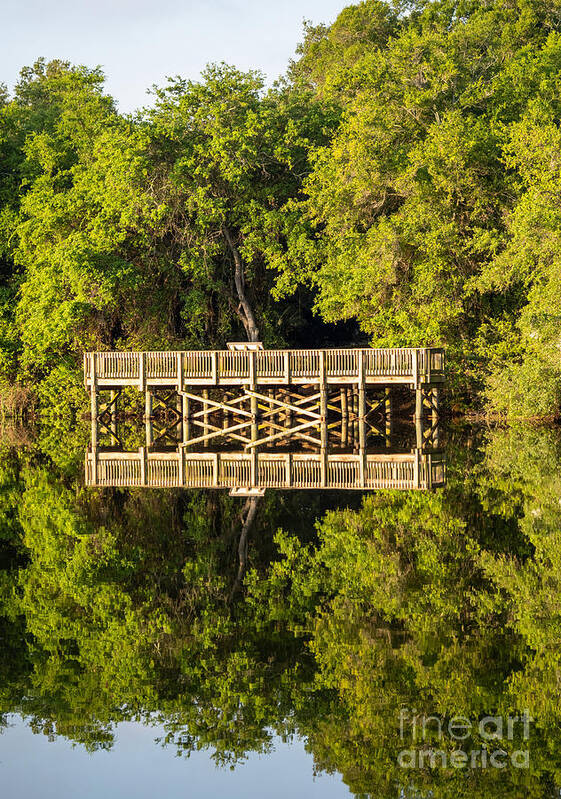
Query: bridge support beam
<point>148,402</point>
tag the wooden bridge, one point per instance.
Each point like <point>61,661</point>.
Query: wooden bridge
<point>323,408</point>
<point>258,367</point>
<point>240,472</point>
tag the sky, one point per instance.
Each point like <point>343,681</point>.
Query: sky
<point>32,767</point>
<point>141,42</point>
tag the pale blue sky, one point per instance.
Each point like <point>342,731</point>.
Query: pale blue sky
<point>31,767</point>
<point>140,42</point>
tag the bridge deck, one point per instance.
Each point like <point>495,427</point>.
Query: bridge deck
<point>415,470</point>
<point>407,366</point>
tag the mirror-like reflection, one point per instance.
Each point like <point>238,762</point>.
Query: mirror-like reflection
<point>383,628</point>
<point>275,438</point>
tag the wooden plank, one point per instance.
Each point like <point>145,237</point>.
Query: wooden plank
<point>214,404</point>
<point>284,434</point>
<point>148,418</point>
<point>283,404</point>
<point>218,432</point>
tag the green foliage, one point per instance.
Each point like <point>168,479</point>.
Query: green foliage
<point>130,232</point>
<point>403,176</point>
<point>434,203</point>
<point>116,605</point>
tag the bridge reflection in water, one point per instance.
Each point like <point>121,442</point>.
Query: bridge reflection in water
<point>332,432</point>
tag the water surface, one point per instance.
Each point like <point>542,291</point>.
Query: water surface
<point>392,643</point>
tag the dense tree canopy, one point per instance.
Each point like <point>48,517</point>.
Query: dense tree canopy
<point>403,177</point>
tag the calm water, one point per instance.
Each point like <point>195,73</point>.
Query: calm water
<point>138,768</point>
<point>385,644</point>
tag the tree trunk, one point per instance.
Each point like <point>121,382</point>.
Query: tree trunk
<point>245,311</point>
<point>247,515</point>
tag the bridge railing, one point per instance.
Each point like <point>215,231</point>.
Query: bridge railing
<point>233,470</point>
<point>283,366</point>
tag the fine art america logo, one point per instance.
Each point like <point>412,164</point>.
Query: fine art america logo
<point>457,737</point>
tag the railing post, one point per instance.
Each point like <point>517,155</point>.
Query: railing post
<point>214,369</point>
<point>416,464</point>
<point>215,469</point>
<point>287,367</point>
<point>252,370</point>
<point>143,470</point>
<point>253,468</point>
<point>179,369</point>
<point>181,454</point>
<point>141,371</point>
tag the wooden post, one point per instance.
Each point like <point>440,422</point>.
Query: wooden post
<point>205,415</point>
<point>93,412</point>
<point>362,417</point>
<point>186,424</point>
<point>344,417</point>
<point>225,413</point>
<point>419,431</point>
<point>141,371</point>
<point>388,415</point>
<point>178,427</point>
<point>271,410</point>
<point>179,371</point>
<point>254,433</point>
<point>435,420</point>
<point>415,358</point>
<point>288,469</point>
<point>252,370</point>
<point>288,415</point>
<point>143,470</point>
<point>113,424</point>
<point>214,369</point>
<point>286,357</point>
<point>435,408</point>
<point>148,418</point>
<point>254,468</point>
<point>355,417</point>
<point>418,402</point>
<point>323,417</point>
<point>181,456</point>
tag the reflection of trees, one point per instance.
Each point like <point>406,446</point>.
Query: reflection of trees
<point>443,602</point>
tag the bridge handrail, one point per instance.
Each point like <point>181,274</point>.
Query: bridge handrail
<point>271,364</point>
<point>230,470</point>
